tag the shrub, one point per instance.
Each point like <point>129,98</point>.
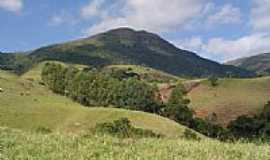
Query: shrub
<point>213,80</point>
<point>43,130</point>
<point>246,127</point>
<point>189,134</point>
<point>266,112</point>
<point>208,129</point>
<point>122,128</point>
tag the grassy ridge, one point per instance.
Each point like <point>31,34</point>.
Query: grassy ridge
<point>26,104</point>
<point>148,74</point>
<point>231,98</point>
<point>20,145</point>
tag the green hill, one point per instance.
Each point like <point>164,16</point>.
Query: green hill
<point>146,73</point>
<point>26,104</point>
<point>259,63</point>
<point>130,47</point>
<point>21,145</point>
<point>231,98</point>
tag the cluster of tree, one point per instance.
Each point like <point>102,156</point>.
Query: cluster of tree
<point>94,88</point>
<point>243,127</point>
<point>18,63</point>
<point>177,109</point>
<point>252,127</point>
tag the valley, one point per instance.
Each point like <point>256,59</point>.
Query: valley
<point>79,94</point>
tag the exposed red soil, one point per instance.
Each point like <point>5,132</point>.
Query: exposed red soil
<point>165,89</point>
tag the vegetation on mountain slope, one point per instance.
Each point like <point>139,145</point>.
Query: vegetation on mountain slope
<point>231,98</point>
<point>145,73</point>
<point>28,105</point>
<point>259,63</point>
<point>17,63</point>
<point>94,88</point>
<point>252,127</point>
<point>97,88</point>
<point>130,47</point>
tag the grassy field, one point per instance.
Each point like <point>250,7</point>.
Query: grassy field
<point>35,72</point>
<point>16,145</point>
<point>25,104</point>
<point>231,98</point>
<point>148,74</point>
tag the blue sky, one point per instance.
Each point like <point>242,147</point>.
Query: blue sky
<point>217,29</point>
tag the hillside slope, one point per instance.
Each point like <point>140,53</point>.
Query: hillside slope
<point>26,104</point>
<point>231,98</point>
<point>259,63</point>
<point>127,46</point>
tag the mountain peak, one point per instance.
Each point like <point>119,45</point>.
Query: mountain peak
<point>128,46</point>
<point>126,32</point>
<point>122,29</point>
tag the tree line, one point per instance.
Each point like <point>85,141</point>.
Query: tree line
<point>91,87</point>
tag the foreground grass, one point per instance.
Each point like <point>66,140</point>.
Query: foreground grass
<point>16,145</point>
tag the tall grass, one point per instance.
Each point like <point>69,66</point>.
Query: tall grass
<point>17,145</point>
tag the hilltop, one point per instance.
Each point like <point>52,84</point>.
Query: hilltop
<point>129,47</point>
<point>259,63</point>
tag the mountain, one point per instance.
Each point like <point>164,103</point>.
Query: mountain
<point>259,63</point>
<point>127,46</point>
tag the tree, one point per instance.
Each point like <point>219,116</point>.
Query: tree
<point>247,127</point>
<point>266,112</point>
<point>134,94</point>
<point>54,76</point>
<point>177,107</point>
<point>207,128</point>
<point>213,80</point>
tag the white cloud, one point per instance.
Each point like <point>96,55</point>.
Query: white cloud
<point>224,50</point>
<point>256,42</point>
<point>94,8</point>
<point>11,5</point>
<point>63,18</point>
<point>158,15</point>
<point>154,15</point>
<point>227,14</point>
<point>260,15</point>
<point>107,24</point>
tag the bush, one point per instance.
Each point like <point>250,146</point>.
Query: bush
<point>189,134</point>
<point>208,129</point>
<point>246,127</point>
<point>266,112</point>
<point>43,130</point>
<point>122,128</point>
<point>213,80</point>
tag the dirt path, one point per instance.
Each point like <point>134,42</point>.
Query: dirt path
<point>165,89</point>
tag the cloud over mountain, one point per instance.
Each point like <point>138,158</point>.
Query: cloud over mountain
<point>11,5</point>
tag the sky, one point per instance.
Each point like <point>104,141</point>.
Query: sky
<point>220,30</point>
